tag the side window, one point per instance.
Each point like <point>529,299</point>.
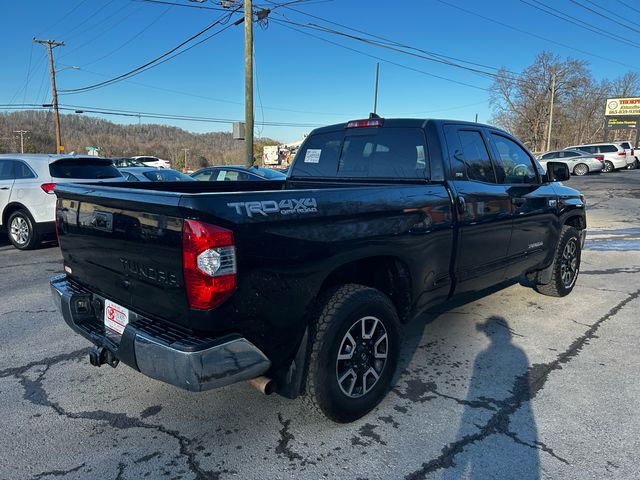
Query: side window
<point>383,153</point>
<point>513,164</point>
<point>202,176</point>
<point>22,171</point>
<point>548,156</point>
<point>230,175</point>
<point>130,178</point>
<point>475,156</point>
<point>607,149</point>
<point>6,170</point>
<point>590,148</point>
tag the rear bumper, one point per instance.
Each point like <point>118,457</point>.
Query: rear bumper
<point>165,353</point>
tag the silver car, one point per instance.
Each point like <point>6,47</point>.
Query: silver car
<point>579,163</point>
<point>615,157</point>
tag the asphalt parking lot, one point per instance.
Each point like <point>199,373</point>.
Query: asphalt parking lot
<point>509,385</point>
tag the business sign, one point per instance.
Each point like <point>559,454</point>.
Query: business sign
<point>622,122</point>
<point>623,107</point>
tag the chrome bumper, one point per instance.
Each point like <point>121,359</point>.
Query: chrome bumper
<point>162,352</point>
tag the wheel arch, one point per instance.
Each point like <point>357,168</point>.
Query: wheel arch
<point>387,273</point>
<point>10,208</point>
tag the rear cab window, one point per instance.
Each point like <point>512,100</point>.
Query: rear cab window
<point>89,169</point>
<point>364,153</point>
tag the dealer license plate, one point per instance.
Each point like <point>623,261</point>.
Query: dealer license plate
<point>116,317</point>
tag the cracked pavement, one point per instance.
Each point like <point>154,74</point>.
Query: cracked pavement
<point>507,385</point>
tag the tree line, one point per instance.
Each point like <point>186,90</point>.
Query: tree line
<point>116,140</point>
<point>521,102</point>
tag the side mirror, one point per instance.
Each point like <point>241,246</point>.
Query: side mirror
<point>557,172</point>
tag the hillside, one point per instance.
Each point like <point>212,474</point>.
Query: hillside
<point>116,140</point>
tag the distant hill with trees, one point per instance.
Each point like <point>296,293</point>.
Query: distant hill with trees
<point>116,140</point>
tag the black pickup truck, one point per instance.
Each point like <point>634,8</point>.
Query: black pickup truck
<point>301,285</point>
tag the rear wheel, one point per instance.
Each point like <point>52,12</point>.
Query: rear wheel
<point>580,169</point>
<point>22,230</point>
<point>566,264</point>
<point>354,354</point>
<point>607,167</point>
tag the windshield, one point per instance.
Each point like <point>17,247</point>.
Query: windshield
<point>167,176</point>
<point>83,169</point>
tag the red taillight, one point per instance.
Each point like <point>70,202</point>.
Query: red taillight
<point>600,158</point>
<point>369,122</point>
<point>48,187</point>
<point>622,154</point>
<point>632,152</point>
<point>209,264</point>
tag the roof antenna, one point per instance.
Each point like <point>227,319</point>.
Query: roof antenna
<point>374,115</point>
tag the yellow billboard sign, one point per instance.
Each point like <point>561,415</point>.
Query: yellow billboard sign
<point>623,107</point>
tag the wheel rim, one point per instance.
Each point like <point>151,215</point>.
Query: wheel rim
<point>19,230</point>
<point>581,170</point>
<point>608,166</point>
<point>569,263</point>
<point>362,356</point>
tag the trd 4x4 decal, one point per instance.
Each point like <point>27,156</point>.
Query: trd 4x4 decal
<point>283,207</point>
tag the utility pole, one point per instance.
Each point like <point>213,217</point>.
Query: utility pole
<point>553,94</point>
<point>248,81</point>
<point>21,132</point>
<point>51,44</point>
<point>375,97</point>
<point>185,159</point>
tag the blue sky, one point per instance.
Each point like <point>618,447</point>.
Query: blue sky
<point>300,79</point>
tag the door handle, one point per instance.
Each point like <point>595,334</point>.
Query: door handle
<point>461,204</point>
<point>4,188</point>
<point>518,201</point>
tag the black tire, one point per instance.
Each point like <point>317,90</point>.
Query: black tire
<point>637,163</point>
<point>566,264</point>
<point>338,314</point>
<point>581,169</point>
<point>22,230</point>
<point>607,167</point>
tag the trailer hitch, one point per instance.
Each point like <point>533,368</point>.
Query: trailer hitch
<point>100,355</point>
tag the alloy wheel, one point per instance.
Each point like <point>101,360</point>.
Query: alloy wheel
<point>581,169</point>
<point>569,263</point>
<point>19,230</point>
<point>362,356</point>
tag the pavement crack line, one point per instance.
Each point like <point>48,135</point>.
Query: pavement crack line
<point>35,393</point>
<point>537,445</point>
<point>525,388</point>
<point>58,473</point>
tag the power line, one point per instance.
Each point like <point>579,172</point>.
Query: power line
<point>628,6</point>
<point>399,50</point>
<point>607,17</point>
<point>153,22</point>
<point>156,60</point>
<point>381,59</point>
<point>392,42</point>
<point>579,23</point>
<point>535,35</point>
<point>107,29</point>
<point>156,115</point>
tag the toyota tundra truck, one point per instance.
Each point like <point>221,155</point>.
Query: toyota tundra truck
<point>301,286</point>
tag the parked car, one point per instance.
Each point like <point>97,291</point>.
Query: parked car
<point>237,173</point>
<point>27,201</point>
<point>151,161</point>
<point>379,220</point>
<point>579,162</point>
<point>149,174</point>
<point>122,162</point>
<point>631,154</point>
<point>615,157</point>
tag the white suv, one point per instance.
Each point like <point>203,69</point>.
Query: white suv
<point>27,200</point>
<point>615,157</point>
<point>151,161</point>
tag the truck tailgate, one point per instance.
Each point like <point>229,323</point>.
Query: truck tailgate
<point>129,251</point>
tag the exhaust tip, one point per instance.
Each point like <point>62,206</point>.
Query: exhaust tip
<point>263,384</point>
